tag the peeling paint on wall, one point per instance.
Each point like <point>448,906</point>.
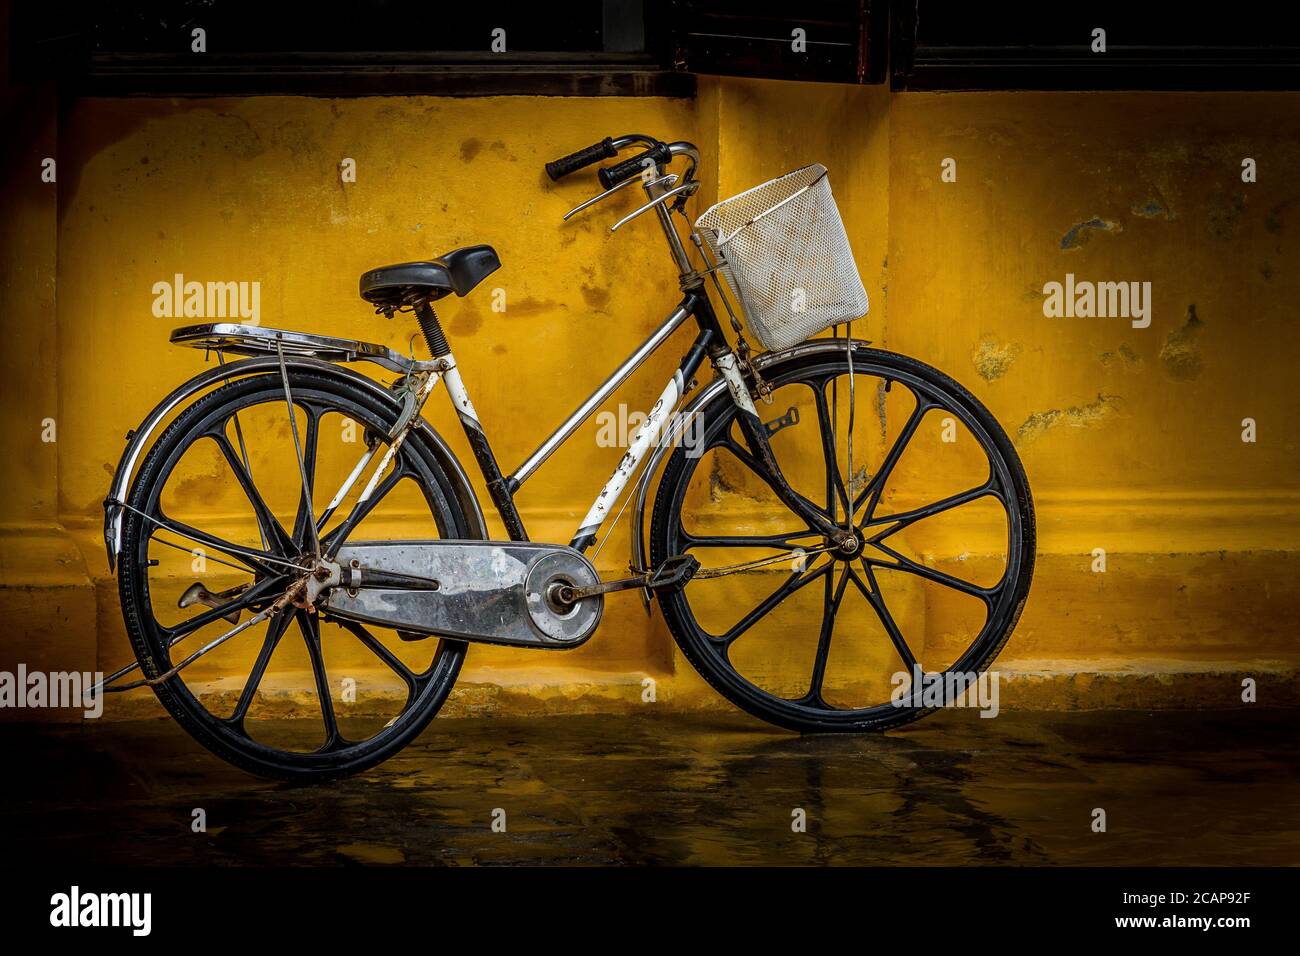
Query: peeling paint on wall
<point>1081,232</point>
<point>1123,357</point>
<point>720,485</point>
<point>1223,215</point>
<point>1152,209</point>
<point>1180,354</point>
<point>993,359</point>
<point>596,298</point>
<point>1076,416</point>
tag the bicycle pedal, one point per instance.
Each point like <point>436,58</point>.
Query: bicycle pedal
<point>673,573</point>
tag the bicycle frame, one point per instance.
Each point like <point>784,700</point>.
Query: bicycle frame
<point>710,341</point>
<point>503,488</point>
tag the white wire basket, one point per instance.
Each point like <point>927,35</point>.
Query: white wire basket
<point>782,248</point>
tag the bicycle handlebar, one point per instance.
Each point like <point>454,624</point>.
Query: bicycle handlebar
<point>657,153</point>
<point>653,159</point>
<point>561,167</point>
<point>611,176</point>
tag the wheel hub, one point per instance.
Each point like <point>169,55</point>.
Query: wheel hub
<point>845,545</point>
<point>321,576</point>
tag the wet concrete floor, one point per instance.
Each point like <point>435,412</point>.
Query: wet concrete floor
<point>1178,788</point>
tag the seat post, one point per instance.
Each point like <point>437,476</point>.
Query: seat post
<point>432,329</point>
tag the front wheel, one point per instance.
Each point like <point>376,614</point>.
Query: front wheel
<point>800,630</point>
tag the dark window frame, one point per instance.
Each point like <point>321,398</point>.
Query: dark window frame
<point>925,54</point>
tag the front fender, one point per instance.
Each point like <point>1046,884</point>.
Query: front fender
<point>138,438</point>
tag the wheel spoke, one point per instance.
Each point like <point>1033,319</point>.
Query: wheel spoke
<point>752,463</point>
<point>306,508</point>
<point>305,502</point>
<point>830,609</point>
<point>408,676</point>
<point>947,580</point>
<point>792,583</point>
<point>334,540</point>
<point>262,562</point>
<point>876,486</point>
<point>835,489</point>
<point>243,457</point>
<point>272,531</point>
<point>309,625</point>
<point>274,631</point>
<point>876,599</point>
<point>904,518</point>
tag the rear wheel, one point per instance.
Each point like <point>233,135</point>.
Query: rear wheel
<point>197,518</point>
<point>802,633</point>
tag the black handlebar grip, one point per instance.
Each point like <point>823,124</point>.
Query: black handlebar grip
<point>611,176</point>
<point>583,157</point>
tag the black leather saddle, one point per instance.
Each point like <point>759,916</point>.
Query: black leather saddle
<point>409,282</point>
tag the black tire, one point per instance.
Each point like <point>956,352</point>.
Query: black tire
<point>230,741</point>
<point>710,656</point>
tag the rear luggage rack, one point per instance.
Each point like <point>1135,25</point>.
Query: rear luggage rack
<point>230,337</point>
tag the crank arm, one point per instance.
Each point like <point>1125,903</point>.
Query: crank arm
<point>672,574</point>
<point>571,595</point>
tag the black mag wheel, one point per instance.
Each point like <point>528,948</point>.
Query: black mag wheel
<point>217,510</point>
<point>811,636</point>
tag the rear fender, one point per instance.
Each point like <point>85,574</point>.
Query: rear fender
<point>138,439</point>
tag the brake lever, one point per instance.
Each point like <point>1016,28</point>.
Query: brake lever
<point>685,188</point>
<point>595,199</point>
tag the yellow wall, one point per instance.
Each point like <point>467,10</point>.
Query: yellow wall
<point>1131,437</point>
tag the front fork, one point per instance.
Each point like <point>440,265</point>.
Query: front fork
<point>756,436</point>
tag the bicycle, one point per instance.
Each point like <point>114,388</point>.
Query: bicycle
<point>739,499</point>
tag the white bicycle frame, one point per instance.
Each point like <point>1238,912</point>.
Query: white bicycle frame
<point>643,440</point>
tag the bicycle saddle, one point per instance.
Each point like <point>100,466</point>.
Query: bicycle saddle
<point>457,271</point>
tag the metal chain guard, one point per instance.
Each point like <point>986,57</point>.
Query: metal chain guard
<point>493,592</point>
